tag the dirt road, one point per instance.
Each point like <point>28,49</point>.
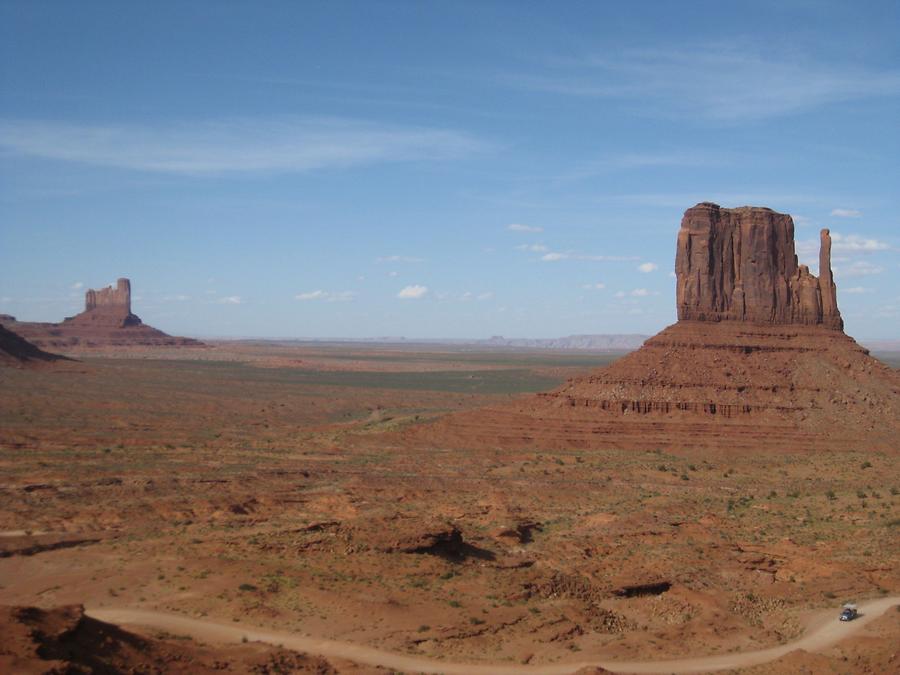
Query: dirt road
<point>822,631</point>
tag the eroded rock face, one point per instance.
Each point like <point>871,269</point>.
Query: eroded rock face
<point>757,361</point>
<point>118,297</point>
<point>108,307</point>
<point>106,321</point>
<point>740,265</point>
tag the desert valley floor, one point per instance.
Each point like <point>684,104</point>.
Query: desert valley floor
<point>307,489</point>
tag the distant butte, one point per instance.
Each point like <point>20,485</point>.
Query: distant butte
<point>757,360</point>
<point>108,307</point>
<point>107,321</point>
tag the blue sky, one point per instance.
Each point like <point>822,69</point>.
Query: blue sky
<point>434,169</point>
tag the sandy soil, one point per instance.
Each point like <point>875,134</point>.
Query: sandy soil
<point>821,630</point>
<point>327,503</point>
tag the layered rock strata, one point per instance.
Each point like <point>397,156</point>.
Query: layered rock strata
<point>758,360</point>
<point>740,265</point>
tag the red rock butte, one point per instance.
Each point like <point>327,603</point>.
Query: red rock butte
<point>108,306</point>
<point>740,265</point>
<point>107,321</point>
<point>758,360</point>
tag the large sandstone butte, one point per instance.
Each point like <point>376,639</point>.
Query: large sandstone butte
<point>107,321</point>
<point>740,265</point>
<point>108,307</point>
<point>757,360</point>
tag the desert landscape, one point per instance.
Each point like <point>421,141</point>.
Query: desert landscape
<point>461,338</point>
<point>714,495</point>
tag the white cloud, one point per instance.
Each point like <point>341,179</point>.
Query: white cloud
<point>846,213</point>
<point>594,287</point>
<point>858,268</point>
<point>414,292</point>
<point>856,290</point>
<point>327,296</point>
<point>283,144</point>
<point>173,298</point>
<point>399,258</point>
<point>534,248</point>
<point>842,245</point>
<point>555,256</point>
<point>855,243</point>
<point>77,285</point>
<point>640,293</point>
<point>393,274</point>
<point>732,82</point>
<point>231,300</point>
<point>648,267</point>
<point>518,227</point>
<point>487,295</point>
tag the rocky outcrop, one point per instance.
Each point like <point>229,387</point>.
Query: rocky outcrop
<point>107,321</point>
<point>740,265</point>
<point>16,350</point>
<point>108,307</point>
<point>757,361</point>
<point>118,297</point>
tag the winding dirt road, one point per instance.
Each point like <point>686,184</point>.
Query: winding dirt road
<point>822,630</point>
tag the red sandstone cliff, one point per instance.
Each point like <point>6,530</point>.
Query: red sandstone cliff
<point>740,265</point>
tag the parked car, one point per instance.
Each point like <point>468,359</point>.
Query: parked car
<point>849,612</point>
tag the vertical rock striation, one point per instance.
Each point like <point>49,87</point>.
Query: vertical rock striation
<point>740,265</point>
<point>108,307</point>
<point>118,297</point>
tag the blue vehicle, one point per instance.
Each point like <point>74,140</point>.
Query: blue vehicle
<point>849,612</point>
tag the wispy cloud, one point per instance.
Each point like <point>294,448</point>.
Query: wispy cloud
<point>78,285</point>
<point>594,287</point>
<point>846,213</point>
<point>843,245</point>
<point>853,243</point>
<point>414,292</point>
<point>555,256</point>
<point>647,267</point>
<point>326,296</point>
<point>724,82</point>
<point>399,258</point>
<point>286,144</point>
<point>857,268</point>
<point>856,290</point>
<point>534,248</point>
<point>637,293</point>
<point>467,296</point>
<point>231,300</point>
<point>518,227</point>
